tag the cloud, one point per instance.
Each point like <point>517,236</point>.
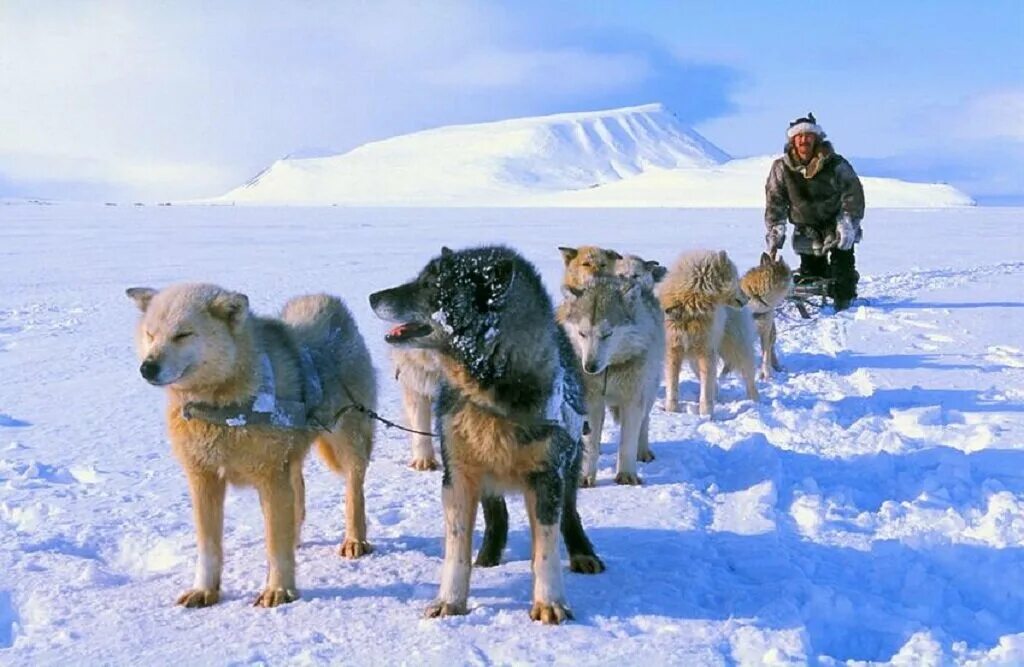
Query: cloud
<point>188,99</point>
<point>997,115</point>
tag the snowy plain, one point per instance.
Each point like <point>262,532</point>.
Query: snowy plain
<point>869,509</point>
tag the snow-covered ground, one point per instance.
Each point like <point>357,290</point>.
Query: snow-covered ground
<point>869,508</point>
<point>633,157</point>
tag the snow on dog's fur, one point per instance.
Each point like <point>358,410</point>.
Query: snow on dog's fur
<point>510,412</point>
<point>202,344</point>
<point>696,296</point>
<point>618,332</point>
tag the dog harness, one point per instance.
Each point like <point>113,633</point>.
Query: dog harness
<point>265,408</point>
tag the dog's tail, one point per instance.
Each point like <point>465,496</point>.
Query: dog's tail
<point>323,326</point>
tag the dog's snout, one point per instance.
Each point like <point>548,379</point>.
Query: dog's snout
<point>590,367</point>
<point>375,300</point>
<point>149,369</point>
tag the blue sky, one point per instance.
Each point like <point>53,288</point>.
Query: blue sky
<point>168,100</point>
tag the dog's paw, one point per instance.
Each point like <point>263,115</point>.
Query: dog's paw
<point>645,457</point>
<point>195,598</point>
<point>671,406</point>
<point>440,609</point>
<point>588,481</point>
<point>550,613</point>
<point>764,375</point>
<point>423,465</point>
<point>484,559</point>
<point>586,564</point>
<point>354,548</point>
<point>275,597</point>
<point>630,478</point>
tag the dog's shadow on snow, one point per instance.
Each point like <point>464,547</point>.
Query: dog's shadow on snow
<point>855,603</point>
<point>846,362</point>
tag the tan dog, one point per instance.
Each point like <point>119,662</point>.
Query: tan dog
<point>695,296</point>
<point>247,397</point>
<point>766,286</point>
<point>418,373</point>
<point>585,263</point>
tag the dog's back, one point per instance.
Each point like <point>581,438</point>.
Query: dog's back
<point>322,327</point>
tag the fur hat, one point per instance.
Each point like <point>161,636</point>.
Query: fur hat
<point>804,125</point>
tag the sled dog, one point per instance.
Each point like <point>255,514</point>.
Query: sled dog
<point>618,332</point>
<point>509,411</point>
<point>247,396</point>
<point>766,286</point>
<point>696,297</point>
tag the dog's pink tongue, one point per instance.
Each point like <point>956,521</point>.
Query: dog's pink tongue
<point>399,331</point>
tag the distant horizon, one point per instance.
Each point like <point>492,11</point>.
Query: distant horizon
<point>187,100</point>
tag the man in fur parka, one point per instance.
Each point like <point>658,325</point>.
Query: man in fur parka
<point>817,190</point>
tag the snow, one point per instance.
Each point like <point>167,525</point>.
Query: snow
<point>631,157</point>
<point>869,509</point>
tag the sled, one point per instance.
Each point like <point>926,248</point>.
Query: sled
<point>810,296</point>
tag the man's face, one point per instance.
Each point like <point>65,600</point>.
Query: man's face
<point>804,143</point>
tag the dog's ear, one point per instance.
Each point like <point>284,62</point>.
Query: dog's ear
<point>612,254</point>
<point>723,256</point>
<point>766,259</point>
<point>231,307</point>
<point>658,272</point>
<point>141,296</point>
<point>445,251</point>
<point>568,254</point>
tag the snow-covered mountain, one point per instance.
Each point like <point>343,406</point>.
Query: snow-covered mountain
<point>634,156</point>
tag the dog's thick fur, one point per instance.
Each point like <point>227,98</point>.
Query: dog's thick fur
<point>696,296</point>
<point>766,286</point>
<point>618,331</point>
<point>419,374</point>
<point>646,272</point>
<point>585,263</point>
<point>203,345</point>
<point>510,411</point>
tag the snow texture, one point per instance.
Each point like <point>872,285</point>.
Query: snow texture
<point>868,510</point>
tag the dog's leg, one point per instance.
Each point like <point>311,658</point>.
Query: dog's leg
<point>543,501</point>
<point>773,341</point>
<point>299,488</point>
<point>459,497</point>
<point>355,545</point>
<point>629,441</point>
<point>417,409</point>
<point>706,363</point>
<point>207,491</point>
<point>764,330</point>
<point>582,557</point>
<point>495,531</point>
<point>673,364</point>
<point>278,501</point>
<point>592,441</point>
<point>643,450</point>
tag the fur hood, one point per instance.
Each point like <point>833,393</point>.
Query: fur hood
<point>823,153</point>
